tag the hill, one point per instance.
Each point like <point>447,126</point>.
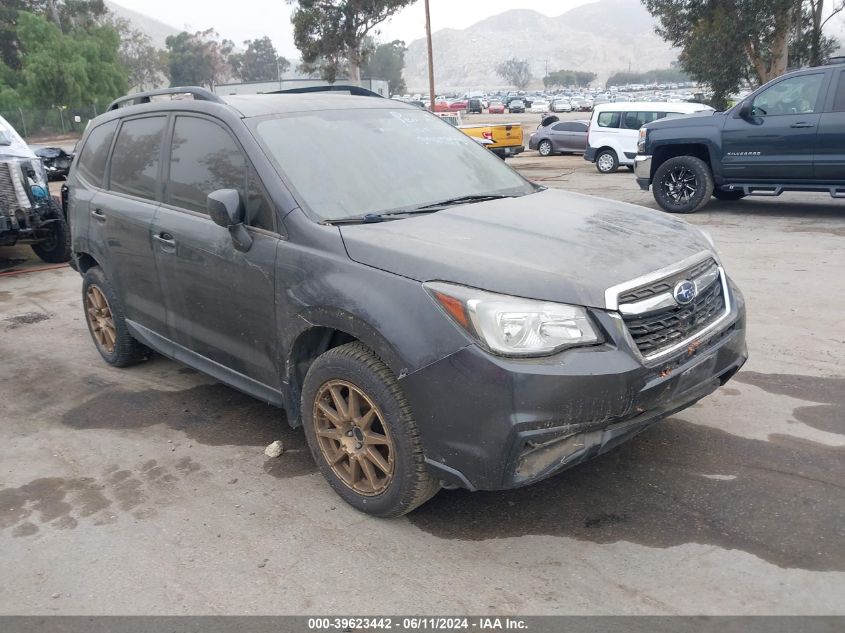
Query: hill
<point>602,37</point>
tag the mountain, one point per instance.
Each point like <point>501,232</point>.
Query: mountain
<point>157,31</point>
<point>602,37</point>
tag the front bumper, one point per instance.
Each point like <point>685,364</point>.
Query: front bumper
<point>491,423</point>
<point>642,170</point>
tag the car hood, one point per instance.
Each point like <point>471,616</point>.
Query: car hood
<point>551,245</point>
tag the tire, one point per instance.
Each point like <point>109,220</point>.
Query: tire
<point>124,350</point>
<point>683,184</point>
<point>728,195</point>
<point>56,249</point>
<point>545,148</point>
<point>386,494</point>
<point>607,161</point>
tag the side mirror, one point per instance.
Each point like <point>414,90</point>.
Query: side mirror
<point>227,210</point>
<point>745,109</point>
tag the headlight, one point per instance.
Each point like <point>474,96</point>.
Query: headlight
<point>641,140</point>
<point>511,326</point>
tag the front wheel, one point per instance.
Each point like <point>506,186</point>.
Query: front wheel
<point>55,249</point>
<point>362,433</point>
<point>545,148</point>
<point>683,184</point>
<point>607,161</point>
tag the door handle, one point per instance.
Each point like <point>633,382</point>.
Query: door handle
<point>166,239</point>
<point>802,125</point>
<point>99,215</point>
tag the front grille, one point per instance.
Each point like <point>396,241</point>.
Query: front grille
<point>658,331</point>
<point>12,194</point>
<point>666,284</point>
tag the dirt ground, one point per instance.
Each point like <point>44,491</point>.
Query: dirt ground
<point>147,490</point>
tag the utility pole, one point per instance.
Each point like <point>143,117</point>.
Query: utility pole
<point>430,56</point>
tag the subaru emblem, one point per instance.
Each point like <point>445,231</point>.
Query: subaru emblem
<point>685,292</point>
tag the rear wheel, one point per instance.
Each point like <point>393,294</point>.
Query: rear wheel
<point>545,148</point>
<point>607,161</point>
<point>362,433</point>
<point>106,322</point>
<point>728,195</point>
<point>683,184</point>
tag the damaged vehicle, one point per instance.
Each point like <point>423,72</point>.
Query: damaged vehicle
<point>56,162</point>
<point>28,214</point>
<point>429,316</point>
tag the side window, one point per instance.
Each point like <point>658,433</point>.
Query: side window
<point>134,163</point>
<point>561,127</point>
<point>635,120</point>
<point>609,119</point>
<point>204,157</point>
<point>839,99</point>
<point>797,95</point>
<point>92,160</point>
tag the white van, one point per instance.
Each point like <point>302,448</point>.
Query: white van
<point>614,128</point>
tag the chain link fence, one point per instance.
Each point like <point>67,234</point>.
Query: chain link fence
<point>36,123</point>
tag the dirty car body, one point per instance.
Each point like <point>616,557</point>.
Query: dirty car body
<point>527,329</point>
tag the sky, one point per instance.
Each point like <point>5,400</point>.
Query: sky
<point>248,19</point>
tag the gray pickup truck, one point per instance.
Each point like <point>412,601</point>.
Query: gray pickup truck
<point>788,135</point>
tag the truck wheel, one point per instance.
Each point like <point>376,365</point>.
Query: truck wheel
<point>728,195</point>
<point>362,433</point>
<point>607,161</point>
<point>545,148</point>
<point>106,322</point>
<point>56,248</point>
<point>683,184</point>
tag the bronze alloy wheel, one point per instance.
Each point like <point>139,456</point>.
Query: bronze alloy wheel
<point>100,319</point>
<point>353,437</point>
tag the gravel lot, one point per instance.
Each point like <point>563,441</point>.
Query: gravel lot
<point>147,491</point>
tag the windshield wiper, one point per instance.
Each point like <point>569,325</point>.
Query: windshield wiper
<point>465,200</point>
<point>374,218</point>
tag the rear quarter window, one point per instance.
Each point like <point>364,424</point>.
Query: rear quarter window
<point>95,153</point>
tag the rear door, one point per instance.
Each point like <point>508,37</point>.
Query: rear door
<point>121,216</point>
<point>777,142</point>
<point>569,136</point>
<point>220,301</point>
<point>829,163</point>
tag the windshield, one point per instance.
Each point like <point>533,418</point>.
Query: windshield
<point>350,163</point>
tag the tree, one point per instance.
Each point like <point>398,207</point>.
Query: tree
<point>724,42</point>
<point>561,78</point>
<point>388,62</point>
<point>260,61</point>
<point>516,72</point>
<point>334,32</point>
<point>79,68</point>
<point>145,65</point>
<point>198,59</point>
<point>67,15</point>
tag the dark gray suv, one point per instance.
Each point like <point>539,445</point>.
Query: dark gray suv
<point>429,316</point>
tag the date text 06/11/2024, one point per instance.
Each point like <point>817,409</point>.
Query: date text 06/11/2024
<point>417,624</point>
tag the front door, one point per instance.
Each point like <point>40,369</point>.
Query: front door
<point>830,143</point>
<point>777,141</point>
<point>220,301</point>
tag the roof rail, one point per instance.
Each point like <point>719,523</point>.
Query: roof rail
<point>200,94</point>
<point>358,91</point>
